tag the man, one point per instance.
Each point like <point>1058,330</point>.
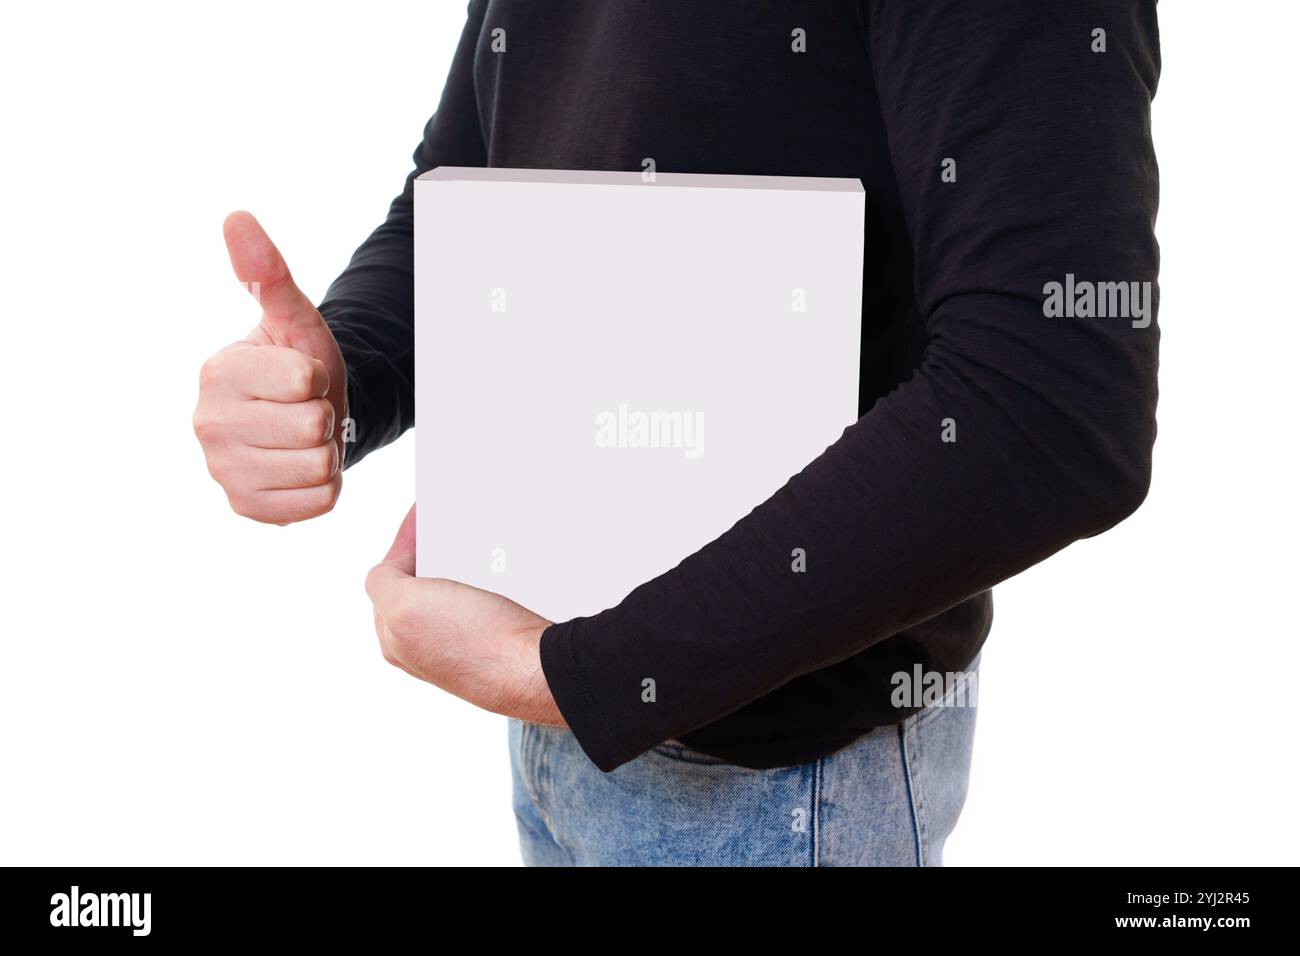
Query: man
<point>1005,152</point>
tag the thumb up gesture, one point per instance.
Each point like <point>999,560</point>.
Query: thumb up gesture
<point>271,406</point>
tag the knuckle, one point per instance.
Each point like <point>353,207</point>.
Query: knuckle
<point>320,465</point>
<point>332,493</point>
<point>316,421</point>
<point>219,470</point>
<point>211,373</point>
<point>328,411</point>
<point>206,425</point>
<point>312,502</point>
<point>326,506</point>
<point>299,378</point>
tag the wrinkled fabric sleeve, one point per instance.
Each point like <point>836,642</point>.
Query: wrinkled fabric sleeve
<point>1054,417</point>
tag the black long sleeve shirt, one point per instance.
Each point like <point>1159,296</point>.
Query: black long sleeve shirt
<point>1003,145</point>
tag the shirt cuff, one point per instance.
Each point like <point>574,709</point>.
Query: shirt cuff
<point>574,697</point>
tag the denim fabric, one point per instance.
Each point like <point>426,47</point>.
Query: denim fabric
<point>889,799</point>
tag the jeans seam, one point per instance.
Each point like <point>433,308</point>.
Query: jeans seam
<point>541,782</point>
<point>533,773</point>
<point>816,811</point>
<point>913,797</point>
<point>525,763</point>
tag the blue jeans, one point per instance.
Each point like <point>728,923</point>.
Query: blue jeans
<point>889,799</point>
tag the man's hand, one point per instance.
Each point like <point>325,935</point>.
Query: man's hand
<point>477,645</point>
<point>271,406</point>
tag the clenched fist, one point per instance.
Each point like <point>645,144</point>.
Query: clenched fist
<point>272,405</point>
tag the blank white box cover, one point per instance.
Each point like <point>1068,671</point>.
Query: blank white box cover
<point>545,298</point>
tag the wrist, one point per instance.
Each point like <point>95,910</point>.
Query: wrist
<point>533,700</point>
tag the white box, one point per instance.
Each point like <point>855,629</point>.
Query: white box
<point>559,311</point>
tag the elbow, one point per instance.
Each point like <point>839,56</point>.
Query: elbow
<point>1123,476</point>
<point>1112,420</point>
<point>1123,497</point>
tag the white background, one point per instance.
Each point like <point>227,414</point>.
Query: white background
<point>179,685</point>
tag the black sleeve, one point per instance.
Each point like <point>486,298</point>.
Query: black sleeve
<point>371,305</point>
<point>1054,416</point>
